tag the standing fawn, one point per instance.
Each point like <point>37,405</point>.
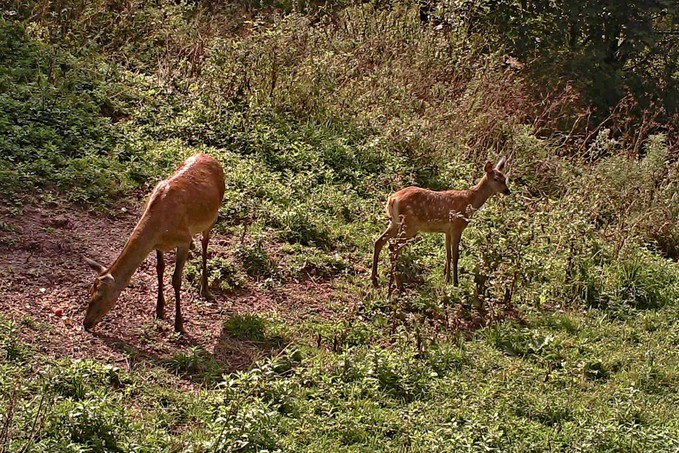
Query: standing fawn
<point>414,209</point>
<point>179,207</point>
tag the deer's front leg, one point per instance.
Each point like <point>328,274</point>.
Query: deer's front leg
<point>446,270</point>
<point>456,255</point>
<point>379,243</point>
<point>160,270</point>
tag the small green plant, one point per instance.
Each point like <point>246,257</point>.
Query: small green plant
<point>595,370</point>
<point>250,427</point>
<point>515,341</point>
<point>80,379</point>
<point>445,358</point>
<point>197,364</point>
<point>563,322</point>
<point>223,274</point>
<point>92,423</point>
<point>313,262</point>
<point>256,260</point>
<point>245,327</point>
<point>300,225</point>
<point>11,347</point>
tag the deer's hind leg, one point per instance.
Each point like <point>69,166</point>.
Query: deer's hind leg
<point>204,289</point>
<point>182,255</point>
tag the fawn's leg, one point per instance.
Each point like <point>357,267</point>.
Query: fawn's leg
<point>455,246</point>
<point>379,243</point>
<point>446,269</point>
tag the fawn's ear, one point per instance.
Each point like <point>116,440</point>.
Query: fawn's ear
<point>107,279</point>
<point>96,267</point>
<point>501,163</point>
<point>489,166</point>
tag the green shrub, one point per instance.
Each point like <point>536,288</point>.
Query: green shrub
<point>250,427</point>
<point>635,280</point>
<point>222,273</point>
<point>12,349</point>
<point>80,379</point>
<point>524,342</point>
<point>256,260</point>
<point>95,424</point>
<point>300,225</point>
<point>403,378</point>
<point>446,358</point>
<point>309,261</point>
<point>245,327</point>
<point>197,364</point>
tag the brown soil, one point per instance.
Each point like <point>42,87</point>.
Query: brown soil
<point>44,283</point>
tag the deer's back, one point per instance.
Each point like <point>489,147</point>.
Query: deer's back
<point>429,210</point>
<point>189,200</point>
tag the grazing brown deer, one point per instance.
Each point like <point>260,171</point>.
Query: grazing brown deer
<point>414,209</point>
<point>179,207</point>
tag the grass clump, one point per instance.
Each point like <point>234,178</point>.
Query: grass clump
<point>245,327</point>
<point>196,364</point>
<point>256,260</point>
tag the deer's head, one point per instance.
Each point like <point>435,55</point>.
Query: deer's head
<point>496,179</point>
<point>103,295</point>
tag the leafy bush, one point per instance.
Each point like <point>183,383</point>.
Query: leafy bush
<point>309,261</point>
<point>81,379</point>
<point>197,364</point>
<point>299,225</point>
<point>11,348</point>
<point>245,327</point>
<point>256,260</point>
<point>523,342</point>
<point>96,424</point>
<point>246,428</point>
<point>610,50</point>
<point>222,273</point>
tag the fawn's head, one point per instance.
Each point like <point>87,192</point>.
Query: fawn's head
<point>103,295</point>
<point>496,179</point>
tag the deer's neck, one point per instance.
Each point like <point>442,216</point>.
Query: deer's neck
<point>140,243</point>
<point>480,193</point>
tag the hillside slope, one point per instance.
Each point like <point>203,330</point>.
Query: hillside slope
<point>561,336</point>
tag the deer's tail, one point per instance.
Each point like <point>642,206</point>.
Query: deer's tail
<point>392,208</point>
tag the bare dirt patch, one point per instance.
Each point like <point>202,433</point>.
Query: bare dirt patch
<point>44,282</point>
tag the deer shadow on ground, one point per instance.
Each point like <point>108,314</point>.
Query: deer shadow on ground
<point>240,345</point>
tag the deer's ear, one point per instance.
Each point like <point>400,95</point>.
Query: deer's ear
<point>107,279</point>
<point>501,163</point>
<point>96,267</point>
<point>489,166</point>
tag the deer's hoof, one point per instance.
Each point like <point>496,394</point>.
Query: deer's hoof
<point>207,295</point>
<point>179,328</point>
